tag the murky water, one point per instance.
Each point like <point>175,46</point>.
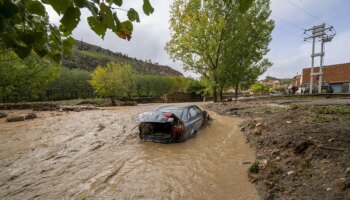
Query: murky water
<point>96,154</point>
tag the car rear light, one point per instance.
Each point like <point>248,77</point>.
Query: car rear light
<point>177,130</point>
<point>167,115</point>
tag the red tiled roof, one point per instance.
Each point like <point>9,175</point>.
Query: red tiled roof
<point>339,73</point>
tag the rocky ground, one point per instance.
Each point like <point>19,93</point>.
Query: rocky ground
<point>302,147</point>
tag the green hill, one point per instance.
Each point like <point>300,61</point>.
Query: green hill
<point>87,56</point>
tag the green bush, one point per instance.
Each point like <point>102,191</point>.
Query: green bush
<point>259,88</point>
<point>254,168</point>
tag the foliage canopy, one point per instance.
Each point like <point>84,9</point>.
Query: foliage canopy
<point>21,80</point>
<point>112,81</point>
<point>224,41</point>
<point>24,24</point>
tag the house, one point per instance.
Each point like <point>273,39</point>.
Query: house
<point>337,76</point>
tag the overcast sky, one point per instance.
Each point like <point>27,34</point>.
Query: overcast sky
<point>288,51</point>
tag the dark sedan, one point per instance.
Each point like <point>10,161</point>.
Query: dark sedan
<point>171,123</point>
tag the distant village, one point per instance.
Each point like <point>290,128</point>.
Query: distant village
<point>336,79</point>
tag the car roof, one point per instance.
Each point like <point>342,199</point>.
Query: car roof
<point>177,107</point>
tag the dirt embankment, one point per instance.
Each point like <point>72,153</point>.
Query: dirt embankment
<point>303,151</point>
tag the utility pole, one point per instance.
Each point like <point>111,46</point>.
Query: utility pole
<point>325,34</point>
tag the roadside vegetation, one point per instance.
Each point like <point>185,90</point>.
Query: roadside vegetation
<point>33,80</point>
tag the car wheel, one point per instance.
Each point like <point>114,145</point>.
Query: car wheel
<point>179,138</point>
<point>205,117</point>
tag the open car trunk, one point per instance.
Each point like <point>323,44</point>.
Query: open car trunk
<point>160,127</point>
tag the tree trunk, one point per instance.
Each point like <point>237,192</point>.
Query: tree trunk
<point>221,95</point>
<point>113,101</point>
<point>215,93</point>
<point>215,87</point>
<point>236,92</point>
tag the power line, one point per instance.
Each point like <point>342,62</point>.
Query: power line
<point>287,31</point>
<point>334,9</point>
<point>305,11</point>
<point>287,22</point>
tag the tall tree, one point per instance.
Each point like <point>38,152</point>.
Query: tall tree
<point>246,45</point>
<point>113,80</point>
<point>198,29</point>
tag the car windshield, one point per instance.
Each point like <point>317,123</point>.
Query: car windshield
<point>177,112</point>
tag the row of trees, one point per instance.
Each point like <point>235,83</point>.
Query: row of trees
<point>259,88</point>
<point>37,79</point>
<point>220,42</point>
<point>71,84</point>
<point>118,80</point>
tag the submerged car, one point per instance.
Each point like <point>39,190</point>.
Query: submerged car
<point>171,123</point>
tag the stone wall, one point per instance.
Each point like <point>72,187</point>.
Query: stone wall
<point>177,97</point>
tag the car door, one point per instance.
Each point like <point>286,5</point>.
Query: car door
<point>195,118</point>
<point>200,117</point>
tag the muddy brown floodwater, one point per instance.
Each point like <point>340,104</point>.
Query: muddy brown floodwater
<point>96,154</point>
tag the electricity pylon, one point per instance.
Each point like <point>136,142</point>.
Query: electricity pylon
<point>325,34</point>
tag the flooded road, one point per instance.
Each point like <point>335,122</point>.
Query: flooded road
<point>96,154</point>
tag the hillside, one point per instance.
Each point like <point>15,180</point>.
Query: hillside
<point>280,80</point>
<point>87,56</point>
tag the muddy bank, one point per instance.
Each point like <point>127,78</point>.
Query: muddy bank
<point>73,105</point>
<point>96,154</point>
<point>302,150</point>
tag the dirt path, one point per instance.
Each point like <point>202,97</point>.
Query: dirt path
<point>95,154</point>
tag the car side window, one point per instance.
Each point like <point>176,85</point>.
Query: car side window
<point>192,112</point>
<point>199,111</point>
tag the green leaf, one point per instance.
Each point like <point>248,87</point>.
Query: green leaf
<point>35,7</point>
<point>127,27</point>
<point>30,37</point>
<point>87,4</point>
<point>8,39</point>
<point>56,57</point>
<point>5,25</point>
<point>97,26</point>
<point>68,45</point>
<point>118,2</point>
<point>244,5</point>
<point>107,16</point>
<point>126,30</point>
<point>40,51</point>
<point>8,9</point>
<point>70,19</point>
<point>22,51</point>
<point>133,15</point>
<point>38,36</point>
<point>60,6</point>
<point>27,38</point>
<point>147,7</point>
<point>228,1</point>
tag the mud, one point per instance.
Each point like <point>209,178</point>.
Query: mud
<point>302,148</point>
<point>97,154</point>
